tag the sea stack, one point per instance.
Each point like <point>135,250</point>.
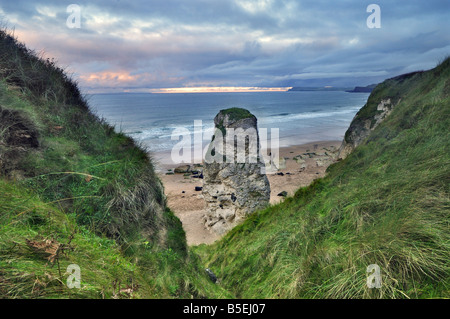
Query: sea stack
<point>235,184</point>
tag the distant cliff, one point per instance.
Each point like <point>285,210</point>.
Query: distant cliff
<point>362,89</point>
<point>320,89</point>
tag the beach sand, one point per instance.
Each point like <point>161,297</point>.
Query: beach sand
<point>188,204</point>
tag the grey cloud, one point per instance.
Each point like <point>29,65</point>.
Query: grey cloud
<point>198,42</point>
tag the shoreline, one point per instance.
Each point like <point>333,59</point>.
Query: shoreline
<point>302,165</point>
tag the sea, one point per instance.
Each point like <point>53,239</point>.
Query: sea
<point>299,117</point>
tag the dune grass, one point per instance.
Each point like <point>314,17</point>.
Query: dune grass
<point>387,203</point>
<point>66,175</point>
<point>69,177</point>
<point>108,270</point>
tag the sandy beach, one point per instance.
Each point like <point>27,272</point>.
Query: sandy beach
<point>302,164</point>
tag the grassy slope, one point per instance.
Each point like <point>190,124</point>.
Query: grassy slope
<point>387,203</point>
<point>85,181</point>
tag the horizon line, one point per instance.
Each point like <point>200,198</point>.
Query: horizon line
<point>198,89</point>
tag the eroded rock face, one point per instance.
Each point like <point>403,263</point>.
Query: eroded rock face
<point>234,185</point>
<point>360,128</point>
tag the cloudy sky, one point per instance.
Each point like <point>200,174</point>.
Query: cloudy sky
<point>134,45</point>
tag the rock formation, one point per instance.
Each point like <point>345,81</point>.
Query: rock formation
<point>364,122</point>
<point>234,183</point>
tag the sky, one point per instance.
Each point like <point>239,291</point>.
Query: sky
<point>195,45</point>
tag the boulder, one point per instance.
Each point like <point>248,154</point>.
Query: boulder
<point>182,169</point>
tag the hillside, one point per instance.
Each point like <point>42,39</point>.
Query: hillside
<point>74,191</point>
<point>386,203</point>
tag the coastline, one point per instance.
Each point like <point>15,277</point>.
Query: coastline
<point>302,164</point>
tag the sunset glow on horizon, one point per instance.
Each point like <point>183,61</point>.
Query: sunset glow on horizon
<point>220,89</point>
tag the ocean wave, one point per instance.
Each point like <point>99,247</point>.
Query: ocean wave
<point>167,132</point>
<point>282,114</point>
<point>306,115</point>
<point>159,138</point>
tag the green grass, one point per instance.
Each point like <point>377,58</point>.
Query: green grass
<point>106,267</point>
<point>387,203</point>
<point>25,274</point>
<point>81,163</point>
<point>95,190</point>
<point>236,113</point>
<point>81,179</point>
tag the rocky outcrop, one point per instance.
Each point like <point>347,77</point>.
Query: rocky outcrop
<point>365,121</point>
<point>234,183</point>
